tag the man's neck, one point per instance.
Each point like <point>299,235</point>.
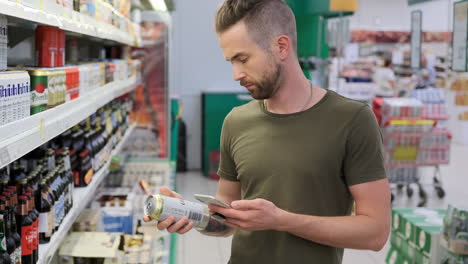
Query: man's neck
<point>291,97</point>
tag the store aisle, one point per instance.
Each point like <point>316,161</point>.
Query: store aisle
<point>196,248</point>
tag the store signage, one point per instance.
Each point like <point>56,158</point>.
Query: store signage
<point>416,38</point>
<point>460,36</point>
<point>344,5</point>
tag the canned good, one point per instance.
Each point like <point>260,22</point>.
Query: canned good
<point>60,58</point>
<point>50,46</point>
<point>72,83</point>
<point>3,42</point>
<point>39,90</point>
<point>110,70</point>
<point>160,207</point>
<point>14,96</point>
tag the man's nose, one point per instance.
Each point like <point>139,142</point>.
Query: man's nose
<point>238,74</point>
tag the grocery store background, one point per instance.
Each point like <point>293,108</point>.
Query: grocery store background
<point>104,101</point>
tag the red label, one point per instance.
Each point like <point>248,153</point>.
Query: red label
<point>35,227</point>
<point>27,237</point>
<point>40,88</point>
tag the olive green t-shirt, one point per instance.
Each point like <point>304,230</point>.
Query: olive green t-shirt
<point>303,163</point>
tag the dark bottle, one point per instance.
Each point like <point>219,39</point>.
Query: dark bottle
<point>4,256</point>
<point>52,197</point>
<point>45,215</point>
<point>3,175</point>
<point>50,159</point>
<point>68,175</point>
<point>139,228</point>
<point>13,249</point>
<point>14,225</point>
<point>34,215</point>
<point>25,228</point>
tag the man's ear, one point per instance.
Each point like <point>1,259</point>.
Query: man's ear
<point>283,45</point>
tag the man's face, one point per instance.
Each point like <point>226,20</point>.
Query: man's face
<point>255,68</point>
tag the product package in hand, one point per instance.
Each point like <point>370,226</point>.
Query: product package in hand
<point>159,207</point>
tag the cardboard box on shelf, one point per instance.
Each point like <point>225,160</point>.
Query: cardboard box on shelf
<point>416,233</point>
<point>117,207</point>
<point>396,257</point>
<point>87,221</point>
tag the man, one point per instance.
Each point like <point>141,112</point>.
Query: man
<point>426,76</point>
<point>385,78</point>
<point>293,160</point>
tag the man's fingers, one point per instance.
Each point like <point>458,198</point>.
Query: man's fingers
<point>229,213</point>
<point>187,228</point>
<point>168,192</point>
<point>147,218</point>
<point>248,204</point>
<point>166,223</point>
<point>179,225</point>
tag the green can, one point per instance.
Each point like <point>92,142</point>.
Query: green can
<point>39,90</point>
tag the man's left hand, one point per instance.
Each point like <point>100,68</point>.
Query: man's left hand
<point>251,215</point>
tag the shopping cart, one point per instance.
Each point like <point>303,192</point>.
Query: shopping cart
<point>409,144</point>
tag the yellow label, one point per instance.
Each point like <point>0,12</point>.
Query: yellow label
<point>89,176</point>
<point>344,5</point>
<point>405,153</point>
<point>88,124</point>
<point>109,125</point>
<point>412,122</point>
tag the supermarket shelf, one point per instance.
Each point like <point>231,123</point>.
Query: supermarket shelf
<point>391,149</point>
<point>81,198</point>
<point>21,137</point>
<point>414,165</point>
<point>70,21</point>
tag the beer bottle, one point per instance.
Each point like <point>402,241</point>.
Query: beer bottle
<point>3,175</point>
<point>13,248</point>
<point>25,227</point>
<point>34,215</point>
<point>45,224</point>
<point>52,200</point>
<point>50,159</point>
<point>4,256</point>
<point>14,208</point>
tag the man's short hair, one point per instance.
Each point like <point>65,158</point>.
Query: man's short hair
<point>264,19</point>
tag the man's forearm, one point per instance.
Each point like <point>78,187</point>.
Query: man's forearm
<point>357,232</point>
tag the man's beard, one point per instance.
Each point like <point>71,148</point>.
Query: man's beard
<point>267,87</point>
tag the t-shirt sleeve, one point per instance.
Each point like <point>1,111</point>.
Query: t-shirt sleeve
<point>363,161</point>
<point>227,168</point>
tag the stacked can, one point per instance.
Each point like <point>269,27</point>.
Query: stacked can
<point>57,88</point>
<point>50,46</point>
<point>72,83</point>
<point>39,90</point>
<point>14,96</point>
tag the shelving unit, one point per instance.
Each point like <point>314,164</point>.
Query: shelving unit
<point>71,21</point>
<point>21,137</point>
<point>81,198</point>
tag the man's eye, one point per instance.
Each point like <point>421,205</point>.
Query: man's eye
<point>243,60</point>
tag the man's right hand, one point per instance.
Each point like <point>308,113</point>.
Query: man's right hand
<point>182,226</point>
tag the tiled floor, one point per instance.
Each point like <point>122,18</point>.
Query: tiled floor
<point>194,248</point>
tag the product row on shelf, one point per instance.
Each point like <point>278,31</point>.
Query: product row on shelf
<point>115,214</point>
<point>30,91</point>
<point>37,191</point>
<point>96,18</point>
<point>432,236</point>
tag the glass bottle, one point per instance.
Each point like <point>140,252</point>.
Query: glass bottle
<point>4,256</point>
<point>25,228</point>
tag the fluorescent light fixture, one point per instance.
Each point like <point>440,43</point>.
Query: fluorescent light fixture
<point>159,5</point>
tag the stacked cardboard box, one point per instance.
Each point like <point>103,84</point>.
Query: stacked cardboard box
<point>415,237</point>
